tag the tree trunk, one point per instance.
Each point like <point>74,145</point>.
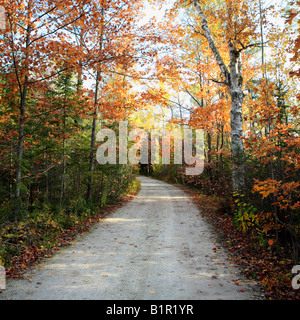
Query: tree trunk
<point>93,133</point>
<point>237,98</point>
<point>64,171</point>
<point>20,152</point>
<point>20,145</point>
<point>79,36</point>
<point>234,82</point>
<point>93,143</point>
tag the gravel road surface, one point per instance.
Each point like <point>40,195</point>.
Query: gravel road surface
<point>156,247</point>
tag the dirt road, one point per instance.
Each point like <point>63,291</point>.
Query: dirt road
<point>156,247</point>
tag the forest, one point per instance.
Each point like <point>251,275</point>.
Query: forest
<point>230,68</point>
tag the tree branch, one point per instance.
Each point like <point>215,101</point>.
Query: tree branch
<point>212,45</point>
<point>219,82</point>
<point>54,31</point>
<point>196,100</point>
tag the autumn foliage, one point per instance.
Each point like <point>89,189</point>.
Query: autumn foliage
<point>266,208</point>
<point>68,68</point>
<point>64,68</point>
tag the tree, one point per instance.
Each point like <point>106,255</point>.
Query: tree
<point>293,12</point>
<point>111,49</point>
<point>237,32</point>
<point>34,49</point>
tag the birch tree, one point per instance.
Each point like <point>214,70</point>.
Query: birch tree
<point>235,26</point>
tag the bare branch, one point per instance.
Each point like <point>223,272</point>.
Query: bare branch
<point>59,28</point>
<point>212,45</point>
<point>192,96</point>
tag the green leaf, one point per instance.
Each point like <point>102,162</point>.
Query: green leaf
<point>23,187</point>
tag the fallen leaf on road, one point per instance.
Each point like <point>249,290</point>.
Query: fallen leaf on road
<point>152,292</point>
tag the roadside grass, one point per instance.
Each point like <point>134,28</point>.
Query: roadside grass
<point>41,233</point>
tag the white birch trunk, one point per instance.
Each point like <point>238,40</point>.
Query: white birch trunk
<point>234,81</point>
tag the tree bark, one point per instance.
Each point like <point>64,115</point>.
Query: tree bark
<point>20,145</point>
<point>237,97</point>
<point>234,82</point>
<point>93,142</point>
<point>94,124</point>
<point>64,171</point>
